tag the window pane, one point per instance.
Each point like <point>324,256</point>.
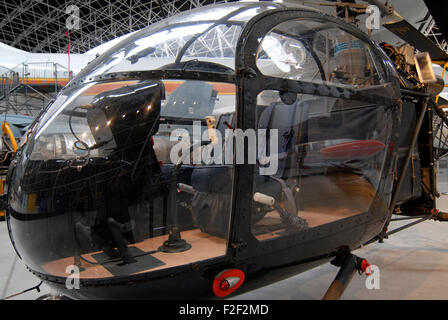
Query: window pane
<point>317,52</point>
<point>315,163</point>
<point>99,188</point>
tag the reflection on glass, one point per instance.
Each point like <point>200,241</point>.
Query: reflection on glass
<point>100,184</point>
<point>318,52</point>
<point>197,35</point>
<point>328,169</point>
<point>99,189</point>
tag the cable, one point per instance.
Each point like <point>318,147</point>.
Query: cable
<point>73,132</point>
<point>24,291</point>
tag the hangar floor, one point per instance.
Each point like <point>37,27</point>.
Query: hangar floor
<point>413,265</point>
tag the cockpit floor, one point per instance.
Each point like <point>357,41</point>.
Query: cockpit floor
<point>322,200</point>
<point>203,246</point>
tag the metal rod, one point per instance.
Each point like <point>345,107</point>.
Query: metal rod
<point>398,229</point>
<point>441,114</point>
<point>432,180</point>
<point>414,93</point>
<point>408,218</point>
<point>408,158</point>
<point>408,225</point>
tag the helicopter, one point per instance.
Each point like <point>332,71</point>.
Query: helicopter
<point>220,150</point>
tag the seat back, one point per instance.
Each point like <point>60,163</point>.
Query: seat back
<point>290,121</point>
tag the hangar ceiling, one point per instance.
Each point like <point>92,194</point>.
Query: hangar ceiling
<point>40,25</point>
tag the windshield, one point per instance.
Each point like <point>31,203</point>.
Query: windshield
<point>201,40</point>
<point>97,179</point>
<point>205,34</point>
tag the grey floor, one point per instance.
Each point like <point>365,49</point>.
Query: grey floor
<point>413,264</point>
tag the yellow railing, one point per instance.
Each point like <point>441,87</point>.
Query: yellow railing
<point>445,65</point>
